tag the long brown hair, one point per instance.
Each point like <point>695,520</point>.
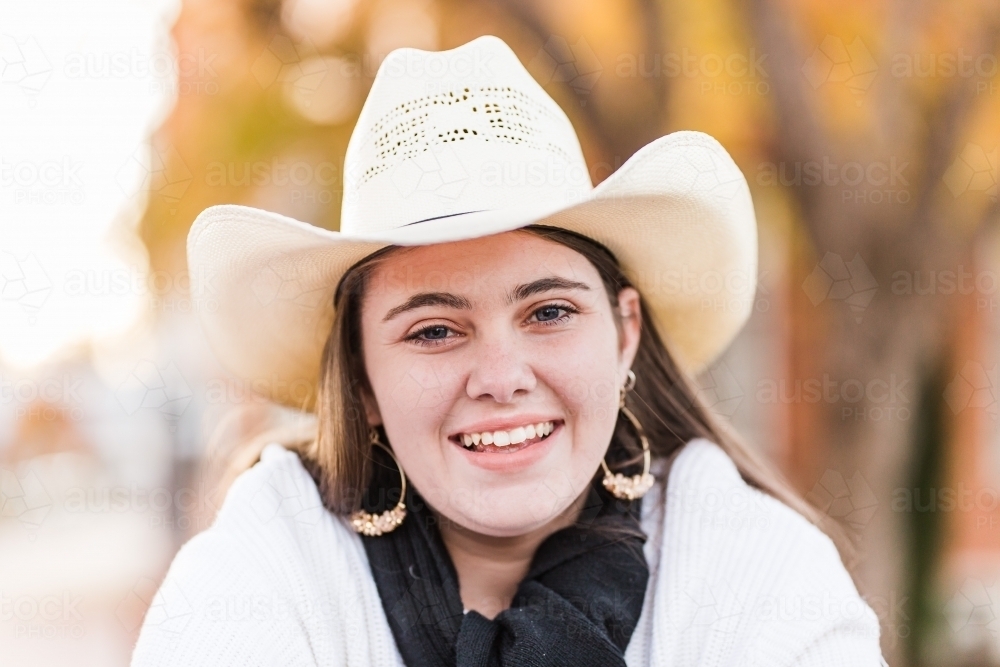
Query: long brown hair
<point>664,400</point>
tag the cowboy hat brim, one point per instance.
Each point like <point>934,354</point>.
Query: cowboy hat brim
<point>677,215</point>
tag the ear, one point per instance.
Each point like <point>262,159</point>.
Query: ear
<point>372,413</point>
<point>631,326</point>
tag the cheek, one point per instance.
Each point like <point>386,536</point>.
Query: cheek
<point>583,376</point>
<point>413,395</point>
<point>582,371</point>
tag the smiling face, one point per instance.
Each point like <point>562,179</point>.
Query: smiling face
<point>496,365</point>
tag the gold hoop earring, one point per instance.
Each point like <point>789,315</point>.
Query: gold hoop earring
<point>636,486</point>
<point>374,525</point>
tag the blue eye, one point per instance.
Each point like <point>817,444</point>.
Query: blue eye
<point>435,332</point>
<point>550,314</point>
<point>545,313</point>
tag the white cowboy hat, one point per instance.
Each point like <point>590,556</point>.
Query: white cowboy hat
<point>461,144</point>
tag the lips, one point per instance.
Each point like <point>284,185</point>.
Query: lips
<point>507,440</point>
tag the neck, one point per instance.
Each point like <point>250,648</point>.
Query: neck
<point>490,568</point>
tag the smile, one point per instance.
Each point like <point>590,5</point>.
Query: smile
<point>507,441</point>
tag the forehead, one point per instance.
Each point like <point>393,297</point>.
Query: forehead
<point>478,268</point>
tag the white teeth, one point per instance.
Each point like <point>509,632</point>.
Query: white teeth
<point>512,437</point>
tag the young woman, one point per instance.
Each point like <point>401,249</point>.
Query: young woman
<point>509,465</point>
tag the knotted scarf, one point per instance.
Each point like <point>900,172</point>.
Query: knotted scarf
<point>578,604</point>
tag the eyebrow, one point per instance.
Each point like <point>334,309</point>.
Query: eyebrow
<point>449,300</point>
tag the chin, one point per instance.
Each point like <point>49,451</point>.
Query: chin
<point>520,511</point>
<point>511,509</point>
<point>510,527</point>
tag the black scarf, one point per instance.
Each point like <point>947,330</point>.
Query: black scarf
<point>578,605</point>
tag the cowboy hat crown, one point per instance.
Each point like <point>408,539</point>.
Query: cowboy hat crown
<point>453,133</point>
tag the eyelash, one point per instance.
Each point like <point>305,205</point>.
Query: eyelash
<point>415,336</point>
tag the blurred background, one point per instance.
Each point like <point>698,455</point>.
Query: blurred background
<point>868,131</point>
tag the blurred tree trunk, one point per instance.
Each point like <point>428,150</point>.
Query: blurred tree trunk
<point>895,335</point>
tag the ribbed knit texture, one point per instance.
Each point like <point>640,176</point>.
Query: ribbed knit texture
<point>737,579</point>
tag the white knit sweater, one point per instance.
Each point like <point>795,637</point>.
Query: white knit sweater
<point>737,579</point>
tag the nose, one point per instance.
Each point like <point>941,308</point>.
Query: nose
<point>500,370</point>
